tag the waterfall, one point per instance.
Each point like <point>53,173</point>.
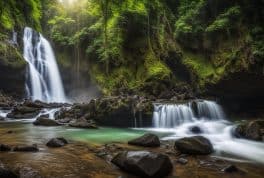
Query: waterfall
<point>172,115</point>
<point>43,80</point>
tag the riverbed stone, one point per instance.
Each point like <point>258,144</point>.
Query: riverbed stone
<point>4,147</point>
<point>196,130</point>
<point>230,169</point>
<point>182,161</point>
<point>147,140</point>
<point>23,112</point>
<point>43,121</point>
<point>252,130</point>
<point>6,173</point>
<point>143,163</point>
<point>57,142</point>
<point>197,145</point>
<point>28,172</point>
<point>26,148</point>
<point>83,123</point>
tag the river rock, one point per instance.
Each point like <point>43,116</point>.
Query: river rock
<point>64,120</point>
<point>252,130</point>
<point>23,112</point>
<point>32,148</point>
<point>147,140</point>
<point>45,122</point>
<point>143,163</point>
<point>196,145</point>
<point>6,173</point>
<point>196,130</point>
<point>57,142</point>
<point>40,104</point>
<point>4,147</point>
<point>230,169</point>
<point>83,123</point>
<point>28,172</point>
<point>182,161</point>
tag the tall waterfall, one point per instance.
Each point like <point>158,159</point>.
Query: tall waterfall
<point>172,115</point>
<point>43,80</point>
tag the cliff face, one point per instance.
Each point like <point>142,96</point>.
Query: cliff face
<point>12,70</point>
<point>14,16</point>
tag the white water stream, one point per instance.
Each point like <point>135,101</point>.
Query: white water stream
<point>208,116</point>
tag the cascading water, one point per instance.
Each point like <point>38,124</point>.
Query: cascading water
<point>178,120</point>
<point>43,81</point>
<point>172,115</point>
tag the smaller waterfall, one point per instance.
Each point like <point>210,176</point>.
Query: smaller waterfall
<point>172,115</point>
<point>43,77</point>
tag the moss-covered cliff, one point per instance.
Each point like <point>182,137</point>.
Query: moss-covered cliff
<point>155,48</point>
<point>14,16</point>
<point>148,47</point>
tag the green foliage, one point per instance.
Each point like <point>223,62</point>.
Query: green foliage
<point>225,21</point>
<point>20,13</point>
<point>257,35</point>
<point>10,56</point>
<point>187,22</point>
<point>156,69</point>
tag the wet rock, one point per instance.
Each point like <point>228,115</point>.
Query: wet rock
<point>43,121</point>
<point>4,147</point>
<point>196,145</point>
<point>23,112</point>
<point>251,130</point>
<point>230,169</point>
<point>64,120</point>
<point>6,173</point>
<point>143,163</point>
<point>40,104</point>
<point>32,148</point>
<point>182,161</point>
<point>111,111</point>
<point>57,142</point>
<point>83,123</point>
<point>28,172</point>
<point>147,140</point>
<point>196,130</point>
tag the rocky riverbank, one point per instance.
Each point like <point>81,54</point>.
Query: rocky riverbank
<point>59,157</point>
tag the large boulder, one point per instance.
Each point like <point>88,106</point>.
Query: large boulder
<point>143,163</point>
<point>27,148</point>
<point>57,142</point>
<point>111,111</point>
<point>196,145</point>
<point>83,123</point>
<point>147,140</point>
<point>45,122</point>
<point>23,112</point>
<point>252,130</point>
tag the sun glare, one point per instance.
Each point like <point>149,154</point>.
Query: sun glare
<point>68,2</point>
